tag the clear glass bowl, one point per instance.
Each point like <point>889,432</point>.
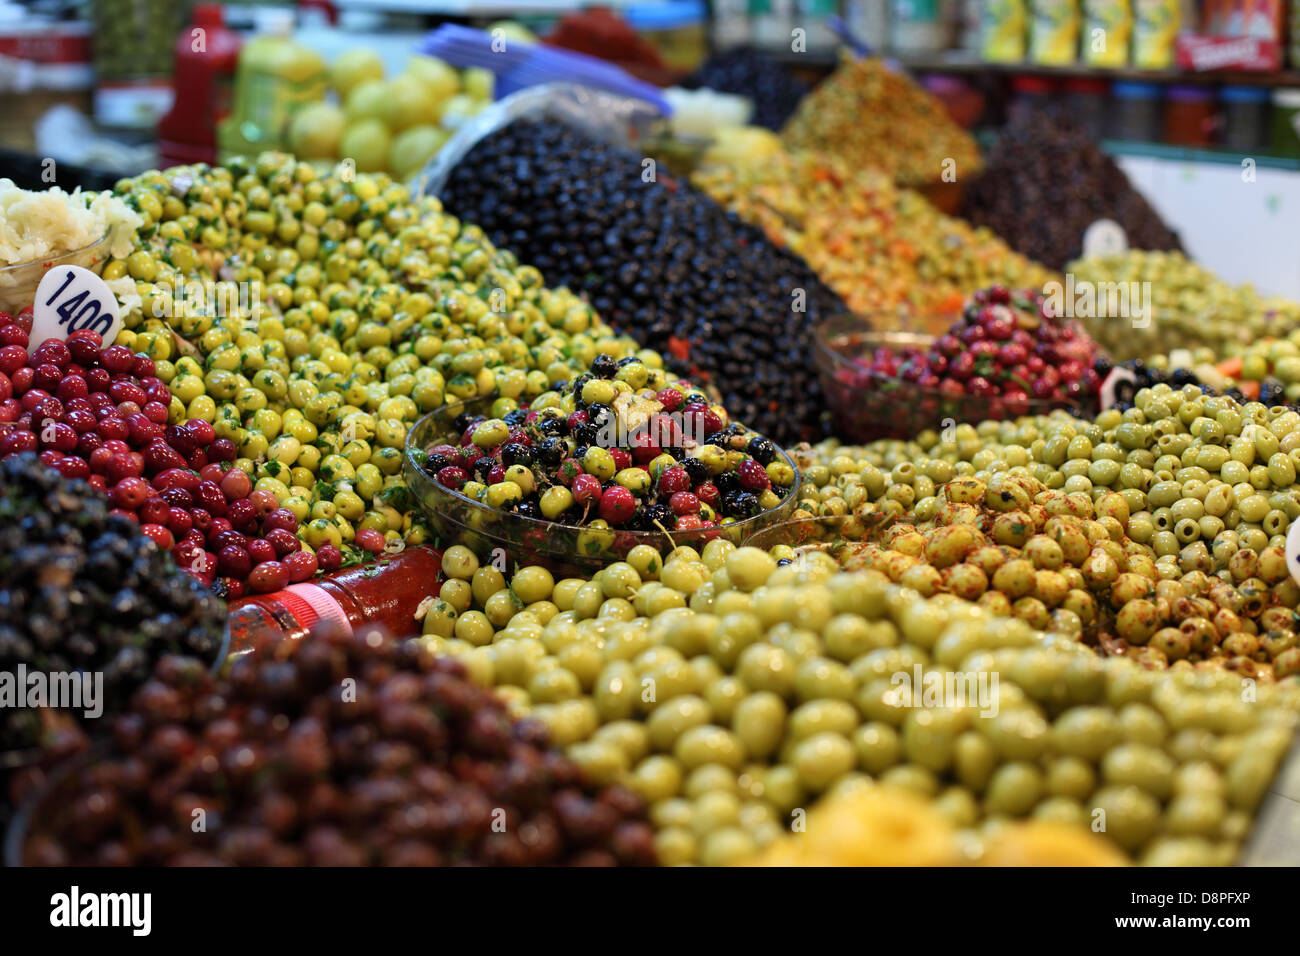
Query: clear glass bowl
<point>866,406</point>
<point>835,534</point>
<point>566,549</point>
<point>18,282</point>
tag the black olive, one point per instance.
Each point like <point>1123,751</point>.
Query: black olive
<point>514,453</point>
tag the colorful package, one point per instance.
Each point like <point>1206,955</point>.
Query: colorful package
<point>1054,37</point>
<point>1003,31</point>
<point>1108,27</point>
<point>1156,25</point>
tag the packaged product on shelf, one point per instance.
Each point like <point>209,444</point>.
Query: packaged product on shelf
<point>1156,24</point>
<point>276,77</point>
<point>1054,35</point>
<point>1004,31</point>
<point>1245,117</point>
<point>1189,115</point>
<point>916,26</point>
<point>1285,140</point>
<point>1108,24</point>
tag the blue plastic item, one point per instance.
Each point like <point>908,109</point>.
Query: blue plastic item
<point>520,65</point>
<point>1244,94</point>
<point>1135,91</point>
<point>669,15</point>
<point>841,29</point>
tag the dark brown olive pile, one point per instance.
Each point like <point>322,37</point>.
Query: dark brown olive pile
<point>1046,182</point>
<point>749,72</point>
<point>339,750</point>
<point>84,590</point>
<point>659,261</point>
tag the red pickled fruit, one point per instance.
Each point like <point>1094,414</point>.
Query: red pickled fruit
<point>329,557</point>
<point>159,533</point>
<point>617,504</point>
<point>155,511</point>
<point>130,493</point>
<point>586,488</point>
<point>268,576</point>
<point>234,561</point>
<point>259,550</point>
<point>283,541</point>
<point>236,484</point>
<point>370,539</point>
<point>280,519</point>
<point>300,564</point>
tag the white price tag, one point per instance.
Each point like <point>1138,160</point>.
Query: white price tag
<point>70,299</point>
<point>1293,551</point>
<point>1105,237</point>
<point>1120,385</point>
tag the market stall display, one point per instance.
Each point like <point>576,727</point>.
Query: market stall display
<point>658,261</point>
<point>871,116</point>
<point>1042,208</point>
<point>640,487</point>
<point>882,248</point>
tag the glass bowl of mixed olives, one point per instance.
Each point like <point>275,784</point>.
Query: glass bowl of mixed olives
<point>1005,357</point>
<point>593,469</point>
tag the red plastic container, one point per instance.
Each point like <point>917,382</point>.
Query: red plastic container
<point>206,56</point>
<point>385,594</point>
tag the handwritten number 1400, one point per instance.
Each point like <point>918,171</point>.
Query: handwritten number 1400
<point>89,316</point>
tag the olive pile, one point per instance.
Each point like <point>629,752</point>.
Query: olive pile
<point>1190,308</point>
<point>343,750</point>
<point>870,115</point>
<point>1203,476</point>
<point>1062,562</point>
<point>658,261</point>
<point>731,687</point>
<point>321,315</point>
<point>617,446</point>
<point>749,72</point>
<point>1043,207</point>
<point>84,591</point>
<point>881,247</point>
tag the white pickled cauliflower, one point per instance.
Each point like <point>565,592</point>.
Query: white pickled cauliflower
<point>52,223</point>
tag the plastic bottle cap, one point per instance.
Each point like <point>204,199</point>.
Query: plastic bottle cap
<point>311,603</point>
<point>1136,91</point>
<point>207,15</point>
<point>1244,94</point>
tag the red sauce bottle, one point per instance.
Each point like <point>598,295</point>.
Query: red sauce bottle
<point>207,53</point>
<point>385,593</point>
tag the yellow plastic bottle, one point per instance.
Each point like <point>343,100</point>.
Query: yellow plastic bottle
<point>276,77</point>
